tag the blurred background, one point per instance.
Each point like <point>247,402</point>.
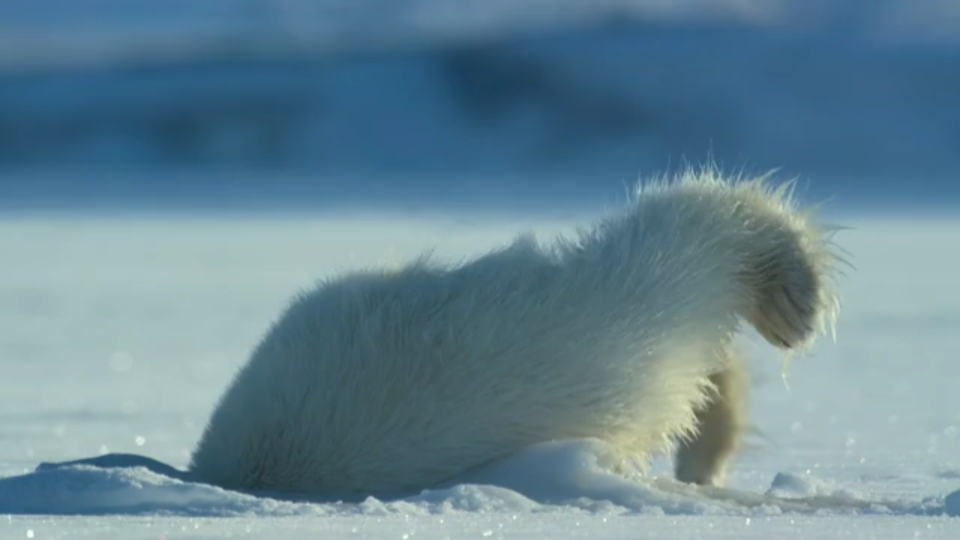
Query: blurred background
<point>281,104</point>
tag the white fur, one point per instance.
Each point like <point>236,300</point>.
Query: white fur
<point>395,380</point>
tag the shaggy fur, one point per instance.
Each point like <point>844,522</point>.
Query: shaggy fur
<point>388,381</point>
<point>702,458</point>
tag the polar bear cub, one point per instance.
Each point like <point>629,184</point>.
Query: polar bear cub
<point>387,382</point>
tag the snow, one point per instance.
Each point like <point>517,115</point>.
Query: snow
<point>119,333</point>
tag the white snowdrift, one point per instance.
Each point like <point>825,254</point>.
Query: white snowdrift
<point>544,478</point>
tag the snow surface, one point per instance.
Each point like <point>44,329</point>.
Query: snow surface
<point>120,333</point>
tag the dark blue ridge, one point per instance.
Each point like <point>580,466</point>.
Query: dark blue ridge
<point>123,461</point>
<point>130,461</point>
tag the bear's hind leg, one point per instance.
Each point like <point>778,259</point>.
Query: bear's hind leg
<point>703,458</point>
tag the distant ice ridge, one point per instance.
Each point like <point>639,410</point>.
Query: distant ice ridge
<point>44,31</point>
<point>545,478</point>
<point>59,32</point>
<point>554,105</point>
<point>552,87</point>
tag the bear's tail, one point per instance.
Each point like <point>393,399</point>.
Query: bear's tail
<point>782,259</point>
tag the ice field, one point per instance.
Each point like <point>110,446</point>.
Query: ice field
<point>119,333</point>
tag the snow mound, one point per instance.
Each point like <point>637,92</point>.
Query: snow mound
<point>85,489</point>
<point>587,475</point>
<point>787,486</point>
